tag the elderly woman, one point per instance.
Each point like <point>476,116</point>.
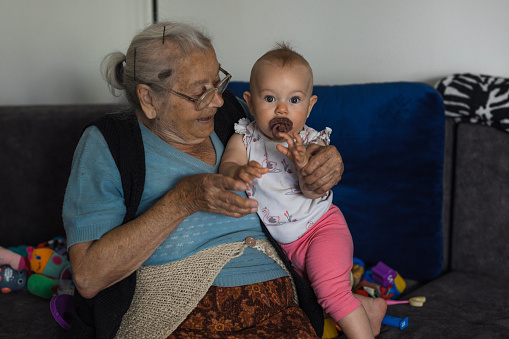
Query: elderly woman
<point>160,244</point>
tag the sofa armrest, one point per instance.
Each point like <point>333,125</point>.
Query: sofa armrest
<point>480,201</point>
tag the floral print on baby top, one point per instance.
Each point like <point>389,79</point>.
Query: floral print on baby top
<point>286,212</point>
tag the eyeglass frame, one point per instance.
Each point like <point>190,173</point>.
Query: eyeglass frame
<point>223,83</point>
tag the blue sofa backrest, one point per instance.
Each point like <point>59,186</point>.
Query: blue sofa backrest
<point>391,138</point>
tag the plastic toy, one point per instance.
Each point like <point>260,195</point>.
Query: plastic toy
<point>8,257</point>
<point>415,301</point>
<point>383,274</point>
<point>399,282</point>
<point>392,283</point>
<point>395,322</point>
<point>329,329</point>
<point>357,270</point>
<point>11,279</point>
<point>61,308</point>
<point>368,289</point>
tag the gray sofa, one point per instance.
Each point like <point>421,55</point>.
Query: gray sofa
<point>467,300</point>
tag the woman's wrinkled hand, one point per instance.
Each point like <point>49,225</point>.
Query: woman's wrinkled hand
<point>324,169</point>
<point>214,193</point>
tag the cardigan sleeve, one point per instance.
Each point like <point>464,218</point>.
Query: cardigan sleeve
<point>94,202</point>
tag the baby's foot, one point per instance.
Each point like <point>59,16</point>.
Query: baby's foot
<point>375,308</point>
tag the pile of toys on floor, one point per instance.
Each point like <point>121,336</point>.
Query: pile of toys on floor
<point>379,281</point>
<point>44,271</point>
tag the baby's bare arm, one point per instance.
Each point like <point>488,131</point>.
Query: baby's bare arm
<point>234,162</point>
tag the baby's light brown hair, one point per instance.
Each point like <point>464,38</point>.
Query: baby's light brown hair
<point>281,56</point>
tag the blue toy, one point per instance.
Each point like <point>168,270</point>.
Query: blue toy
<point>395,322</point>
<point>12,280</point>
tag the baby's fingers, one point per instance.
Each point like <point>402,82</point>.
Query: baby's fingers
<point>257,167</point>
<point>298,140</point>
<point>289,140</point>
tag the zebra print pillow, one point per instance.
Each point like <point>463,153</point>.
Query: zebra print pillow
<point>476,98</point>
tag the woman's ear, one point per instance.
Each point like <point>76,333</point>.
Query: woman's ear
<point>312,102</point>
<point>147,100</point>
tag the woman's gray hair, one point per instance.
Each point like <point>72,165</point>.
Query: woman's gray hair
<point>149,60</point>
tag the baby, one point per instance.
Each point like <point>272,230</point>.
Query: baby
<point>269,155</point>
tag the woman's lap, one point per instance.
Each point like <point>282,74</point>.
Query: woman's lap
<point>263,310</point>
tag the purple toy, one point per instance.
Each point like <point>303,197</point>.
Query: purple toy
<point>383,274</point>
<point>61,307</point>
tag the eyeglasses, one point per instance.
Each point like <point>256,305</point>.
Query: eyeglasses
<point>207,97</point>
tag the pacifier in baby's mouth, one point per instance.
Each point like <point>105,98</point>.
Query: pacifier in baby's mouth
<point>280,125</point>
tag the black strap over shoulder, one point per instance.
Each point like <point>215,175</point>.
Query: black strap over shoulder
<point>123,135</point>
<point>100,317</point>
<point>228,114</point>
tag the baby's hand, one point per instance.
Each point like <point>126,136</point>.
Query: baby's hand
<point>250,171</point>
<point>296,152</point>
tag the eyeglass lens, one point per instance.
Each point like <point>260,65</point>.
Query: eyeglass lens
<point>209,95</point>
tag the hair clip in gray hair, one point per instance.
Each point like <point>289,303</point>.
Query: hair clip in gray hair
<point>164,32</point>
<point>134,64</point>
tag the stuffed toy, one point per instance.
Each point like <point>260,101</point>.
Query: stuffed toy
<point>11,279</point>
<point>49,263</point>
<point>50,272</point>
<point>42,286</point>
<point>57,244</point>
<point>44,271</point>
<point>8,257</point>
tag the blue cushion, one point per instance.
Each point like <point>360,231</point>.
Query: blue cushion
<point>391,138</point>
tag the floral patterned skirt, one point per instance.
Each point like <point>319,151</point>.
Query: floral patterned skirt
<point>262,310</point>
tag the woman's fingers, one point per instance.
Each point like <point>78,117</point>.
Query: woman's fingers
<point>214,193</point>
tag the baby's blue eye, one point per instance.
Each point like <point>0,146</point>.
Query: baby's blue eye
<point>294,100</point>
<point>270,98</point>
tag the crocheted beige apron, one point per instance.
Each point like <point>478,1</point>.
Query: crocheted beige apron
<point>166,294</point>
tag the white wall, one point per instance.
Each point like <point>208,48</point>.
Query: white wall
<point>358,41</point>
<point>51,50</point>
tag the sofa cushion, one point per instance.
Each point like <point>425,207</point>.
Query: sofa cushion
<point>35,177</point>
<point>391,138</point>
<point>480,201</point>
<point>476,98</point>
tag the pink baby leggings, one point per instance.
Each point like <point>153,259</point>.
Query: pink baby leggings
<point>324,255</point>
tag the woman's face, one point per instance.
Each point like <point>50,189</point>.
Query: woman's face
<point>178,120</point>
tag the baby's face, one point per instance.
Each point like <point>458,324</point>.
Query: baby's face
<point>281,92</point>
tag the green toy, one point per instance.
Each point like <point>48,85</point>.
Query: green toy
<point>42,286</point>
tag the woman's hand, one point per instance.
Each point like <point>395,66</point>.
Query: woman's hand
<point>323,170</point>
<point>126,247</point>
<point>213,193</point>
